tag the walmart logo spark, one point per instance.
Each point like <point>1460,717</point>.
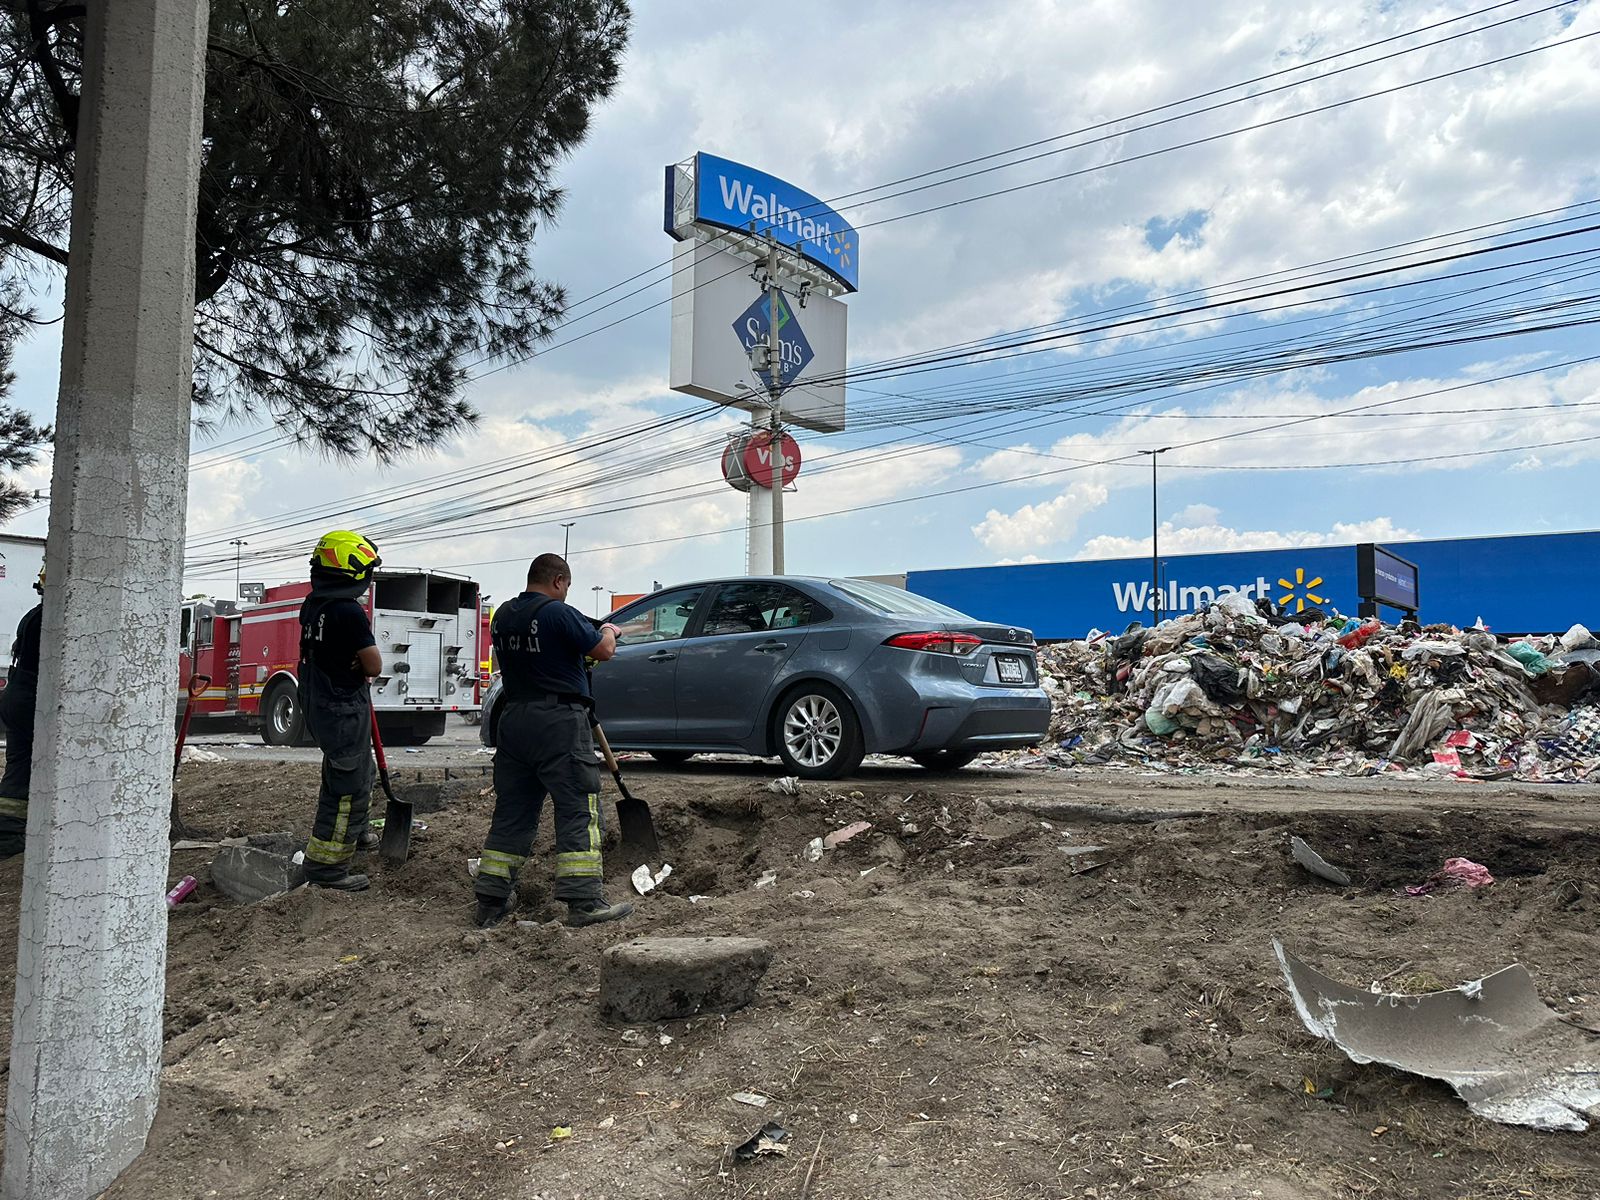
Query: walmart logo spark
<point>1300,590</point>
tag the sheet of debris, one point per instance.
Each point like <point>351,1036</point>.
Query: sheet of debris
<point>1312,694</point>
<point>1507,1054</point>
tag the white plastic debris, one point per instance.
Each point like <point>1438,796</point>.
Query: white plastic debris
<point>768,878</point>
<point>645,882</point>
<point>754,1099</point>
<point>1504,1051</point>
<point>789,785</point>
<point>472,866</point>
<point>194,754</point>
<point>813,850</point>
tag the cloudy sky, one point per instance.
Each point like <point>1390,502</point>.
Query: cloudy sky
<point>1400,383</point>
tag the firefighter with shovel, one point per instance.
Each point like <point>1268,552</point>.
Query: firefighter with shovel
<point>338,659</point>
<point>544,746</point>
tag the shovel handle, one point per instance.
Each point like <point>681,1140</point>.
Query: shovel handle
<point>383,761</point>
<point>605,750</point>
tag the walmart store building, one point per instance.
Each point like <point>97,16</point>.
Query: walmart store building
<point>1534,583</point>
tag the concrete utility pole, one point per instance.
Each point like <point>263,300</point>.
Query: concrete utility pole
<point>1155,537</point>
<point>775,425</point>
<point>238,545</point>
<point>91,951</point>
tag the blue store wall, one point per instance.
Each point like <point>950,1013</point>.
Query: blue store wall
<point>1523,584</point>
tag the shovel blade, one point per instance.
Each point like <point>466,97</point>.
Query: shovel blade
<point>637,829</point>
<point>394,846</point>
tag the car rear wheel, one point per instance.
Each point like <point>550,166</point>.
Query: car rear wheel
<point>282,722</point>
<point>817,733</point>
<point>944,760</point>
<point>671,758</point>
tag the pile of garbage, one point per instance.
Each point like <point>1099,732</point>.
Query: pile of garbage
<point>1314,693</point>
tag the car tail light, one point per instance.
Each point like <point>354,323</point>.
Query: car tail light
<point>937,641</point>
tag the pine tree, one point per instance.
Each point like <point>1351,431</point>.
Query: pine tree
<point>374,175</point>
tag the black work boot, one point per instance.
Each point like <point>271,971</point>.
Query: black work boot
<point>340,883</point>
<point>595,912</point>
<point>367,840</point>
<point>494,909</point>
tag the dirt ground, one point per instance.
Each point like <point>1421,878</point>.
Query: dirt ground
<point>951,1011</point>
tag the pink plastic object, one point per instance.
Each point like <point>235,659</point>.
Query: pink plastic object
<point>1456,872</point>
<point>184,889</point>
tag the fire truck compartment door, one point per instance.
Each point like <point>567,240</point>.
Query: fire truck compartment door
<point>425,679</point>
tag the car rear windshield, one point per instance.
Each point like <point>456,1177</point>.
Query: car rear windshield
<point>895,602</point>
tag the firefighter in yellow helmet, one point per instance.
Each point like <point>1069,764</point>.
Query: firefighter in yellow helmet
<point>338,659</point>
<point>17,704</point>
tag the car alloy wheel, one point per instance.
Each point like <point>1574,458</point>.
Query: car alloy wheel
<point>813,731</point>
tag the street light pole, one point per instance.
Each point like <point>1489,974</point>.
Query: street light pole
<point>566,538</point>
<point>1155,536</point>
<point>597,589</point>
<point>238,545</point>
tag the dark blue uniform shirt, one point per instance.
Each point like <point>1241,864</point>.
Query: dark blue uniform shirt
<point>540,645</point>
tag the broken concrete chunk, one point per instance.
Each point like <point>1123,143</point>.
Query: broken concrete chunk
<point>246,874</point>
<point>1507,1054</point>
<point>663,979</point>
<point>1315,863</point>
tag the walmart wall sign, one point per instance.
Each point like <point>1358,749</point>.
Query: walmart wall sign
<point>1524,584</point>
<point>729,195</point>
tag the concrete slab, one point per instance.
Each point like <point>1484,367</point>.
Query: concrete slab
<point>661,979</point>
<point>246,874</point>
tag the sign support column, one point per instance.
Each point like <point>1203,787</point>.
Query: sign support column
<point>775,425</point>
<point>92,939</point>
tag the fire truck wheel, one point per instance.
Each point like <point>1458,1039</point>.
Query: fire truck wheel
<point>282,723</point>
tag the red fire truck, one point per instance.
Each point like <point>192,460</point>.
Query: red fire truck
<point>426,625</point>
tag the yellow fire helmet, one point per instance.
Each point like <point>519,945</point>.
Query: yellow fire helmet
<point>346,553</point>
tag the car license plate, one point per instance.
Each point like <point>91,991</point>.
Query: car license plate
<point>1012,670</point>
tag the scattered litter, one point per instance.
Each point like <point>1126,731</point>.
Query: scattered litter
<point>813,850</point>
<point>607,1123</point>
<point>789,785</point>
<point>768,878</point>
<point>645,882</point>
<point>839,836</point>
<point>1456,872</point>
<point>413,751</point>
<point>1508,1055</point>
<point>190,844</point>
<point>754,1099</point>
<point>1259,692</point>
<point>771,1138</point>
<point>375,1143</point>
<point>182,891</point>
<point>868,871</point>
<point>806,894</point>
<point>1315,863</point>
<point>194,754</point>
<point>1310,1088</point>
<point>697,899</point>
<point>472,866</point>
<point>560,1132</point>
<point>665,1039</point>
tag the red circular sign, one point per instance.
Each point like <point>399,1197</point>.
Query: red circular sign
<point>758,459</point>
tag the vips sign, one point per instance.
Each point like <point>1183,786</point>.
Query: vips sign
<point>712,191</point>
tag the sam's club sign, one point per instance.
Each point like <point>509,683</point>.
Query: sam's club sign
<point>730,195</point>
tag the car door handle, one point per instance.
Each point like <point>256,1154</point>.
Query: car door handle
<point>661,656</point>
<point>771,647</point>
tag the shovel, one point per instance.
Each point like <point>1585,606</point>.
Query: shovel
<point>633,815</point>
<point>178,830</point>
<point>395,843</point>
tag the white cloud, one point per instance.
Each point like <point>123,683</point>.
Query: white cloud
<point>1036,525</point>
<point>1211,539</point>
<point>1196,515</point>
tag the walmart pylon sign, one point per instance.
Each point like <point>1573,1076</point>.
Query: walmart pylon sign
<point>728,218</point>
